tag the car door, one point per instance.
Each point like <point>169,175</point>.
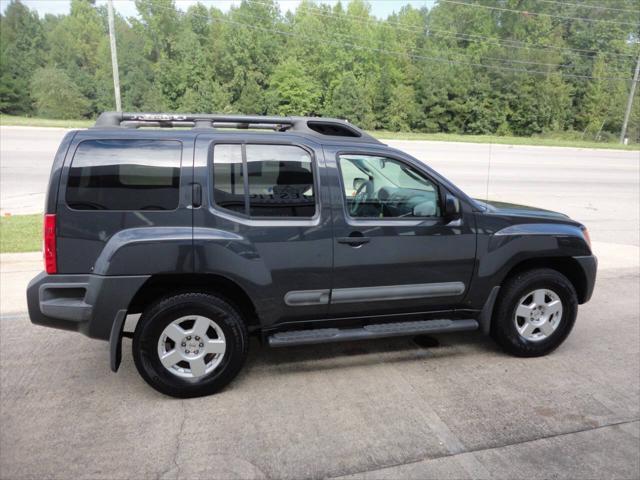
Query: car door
<point>394,252</point>
<point>265,221</point>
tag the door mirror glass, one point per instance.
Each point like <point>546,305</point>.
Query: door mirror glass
<point>425,209</point>
<point>358,182</point>
<point>451,207</point>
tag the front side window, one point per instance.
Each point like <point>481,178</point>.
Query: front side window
<point>380,187</point>
<point>125,175</point>
<point>279,178</point>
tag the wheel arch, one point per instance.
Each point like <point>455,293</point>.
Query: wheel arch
<point>567,266</point>
<point>158,286</point>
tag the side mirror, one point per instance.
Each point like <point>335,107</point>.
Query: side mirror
<point>425,209</point>
<point>451,207</point>
<point>358,182</point>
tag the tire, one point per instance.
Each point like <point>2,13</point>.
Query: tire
<point>221,351</point>
<point>518,334</point>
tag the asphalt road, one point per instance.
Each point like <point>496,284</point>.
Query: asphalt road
<point>375,409</point>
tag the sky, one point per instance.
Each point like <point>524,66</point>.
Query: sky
<point>380,8</point>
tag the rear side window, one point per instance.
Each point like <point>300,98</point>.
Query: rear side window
<point>280,180</point>
<point>229,177</point>
<point>125,175</point>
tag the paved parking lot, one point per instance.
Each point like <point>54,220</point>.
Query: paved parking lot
<point>375,409</point>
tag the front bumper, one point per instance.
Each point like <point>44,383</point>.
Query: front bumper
<point>89,304</point>
<point>589,266</point>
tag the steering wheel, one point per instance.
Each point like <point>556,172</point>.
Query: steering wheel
<point>363,194</point>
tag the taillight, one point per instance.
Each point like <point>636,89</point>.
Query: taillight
<point>49,246</point>
<point>587,237</point>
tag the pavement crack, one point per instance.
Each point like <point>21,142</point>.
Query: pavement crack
<point>622,423</point>
<point>174,466</point>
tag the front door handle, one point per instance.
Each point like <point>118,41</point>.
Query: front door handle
<point>354,241</point>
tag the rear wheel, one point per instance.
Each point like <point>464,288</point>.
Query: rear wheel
<point>190,345</point>
<point>535,313</point>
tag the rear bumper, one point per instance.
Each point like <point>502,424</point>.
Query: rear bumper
<point>589,266</point>
<point>89,304</point>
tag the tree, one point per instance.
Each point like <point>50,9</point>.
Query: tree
<point>292,91</point>
<point>251,99</point>
<point>22,50</point>
<point>348,100</point>
<point>599,103</point>
<point>402,110</point>
<point>449,68</point>
<point>56,95</point>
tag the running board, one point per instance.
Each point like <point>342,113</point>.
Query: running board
<point>380,330</point>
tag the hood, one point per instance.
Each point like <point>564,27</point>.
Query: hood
<point>503,208</point>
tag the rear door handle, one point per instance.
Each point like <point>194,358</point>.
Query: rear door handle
<point>354,241</point>
<point>196,190</point>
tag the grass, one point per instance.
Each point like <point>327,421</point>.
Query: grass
<point>43,122</point>
<point>560,140</point>
<point>547,141</point>
<point>20,233</point>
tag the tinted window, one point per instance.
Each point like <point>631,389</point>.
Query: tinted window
<point>386,188</point>
<point>228,178</point>
<point>125,175</point>
<point>280,181</point>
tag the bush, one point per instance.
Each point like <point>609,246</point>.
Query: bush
<point>56,95</point>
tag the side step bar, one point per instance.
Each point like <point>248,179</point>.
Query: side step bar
<point>381,330</point>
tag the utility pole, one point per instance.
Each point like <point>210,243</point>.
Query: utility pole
<point>632,92</point>
<point>114,56</point>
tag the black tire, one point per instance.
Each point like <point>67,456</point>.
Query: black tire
<point>160,314</point>
<point>503,327</point>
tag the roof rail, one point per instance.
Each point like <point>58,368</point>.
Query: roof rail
<point>317,126</point>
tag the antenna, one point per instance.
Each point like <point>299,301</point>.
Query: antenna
<point>486,196</point>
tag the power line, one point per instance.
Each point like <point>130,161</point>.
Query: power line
<point>503,60</point>
<point>400,53</point>
<point>586,5</point>
<point>538,14</point>
<point>462,36</point>
<point>524,45</point>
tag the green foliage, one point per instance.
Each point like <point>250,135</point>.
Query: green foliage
<point>348,100</point>
<point>292,91</point>
<point>451,68</point>
<point>21,52</point>
<point>56,95</point>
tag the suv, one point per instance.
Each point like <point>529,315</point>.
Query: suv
<point>309,232</point>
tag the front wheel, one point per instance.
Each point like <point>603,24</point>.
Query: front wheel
<point>535,313</point>
<point>190,345</point>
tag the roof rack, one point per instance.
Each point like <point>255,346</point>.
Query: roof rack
<point>317,126</point>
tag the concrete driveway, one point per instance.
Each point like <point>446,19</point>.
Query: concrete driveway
<point>377,409</point>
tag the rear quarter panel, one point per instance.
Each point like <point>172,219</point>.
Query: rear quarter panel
<point>112,242</point>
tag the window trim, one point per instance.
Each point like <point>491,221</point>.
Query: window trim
<point>69,166</point>
<point>225,212</point>
<point>387,220</point>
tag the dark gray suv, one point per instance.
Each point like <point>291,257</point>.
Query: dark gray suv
<point>297,230</point>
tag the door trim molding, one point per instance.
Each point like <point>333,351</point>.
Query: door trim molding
<point>373,294</point>
<point>396,292</point>
<point>299,298</point>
